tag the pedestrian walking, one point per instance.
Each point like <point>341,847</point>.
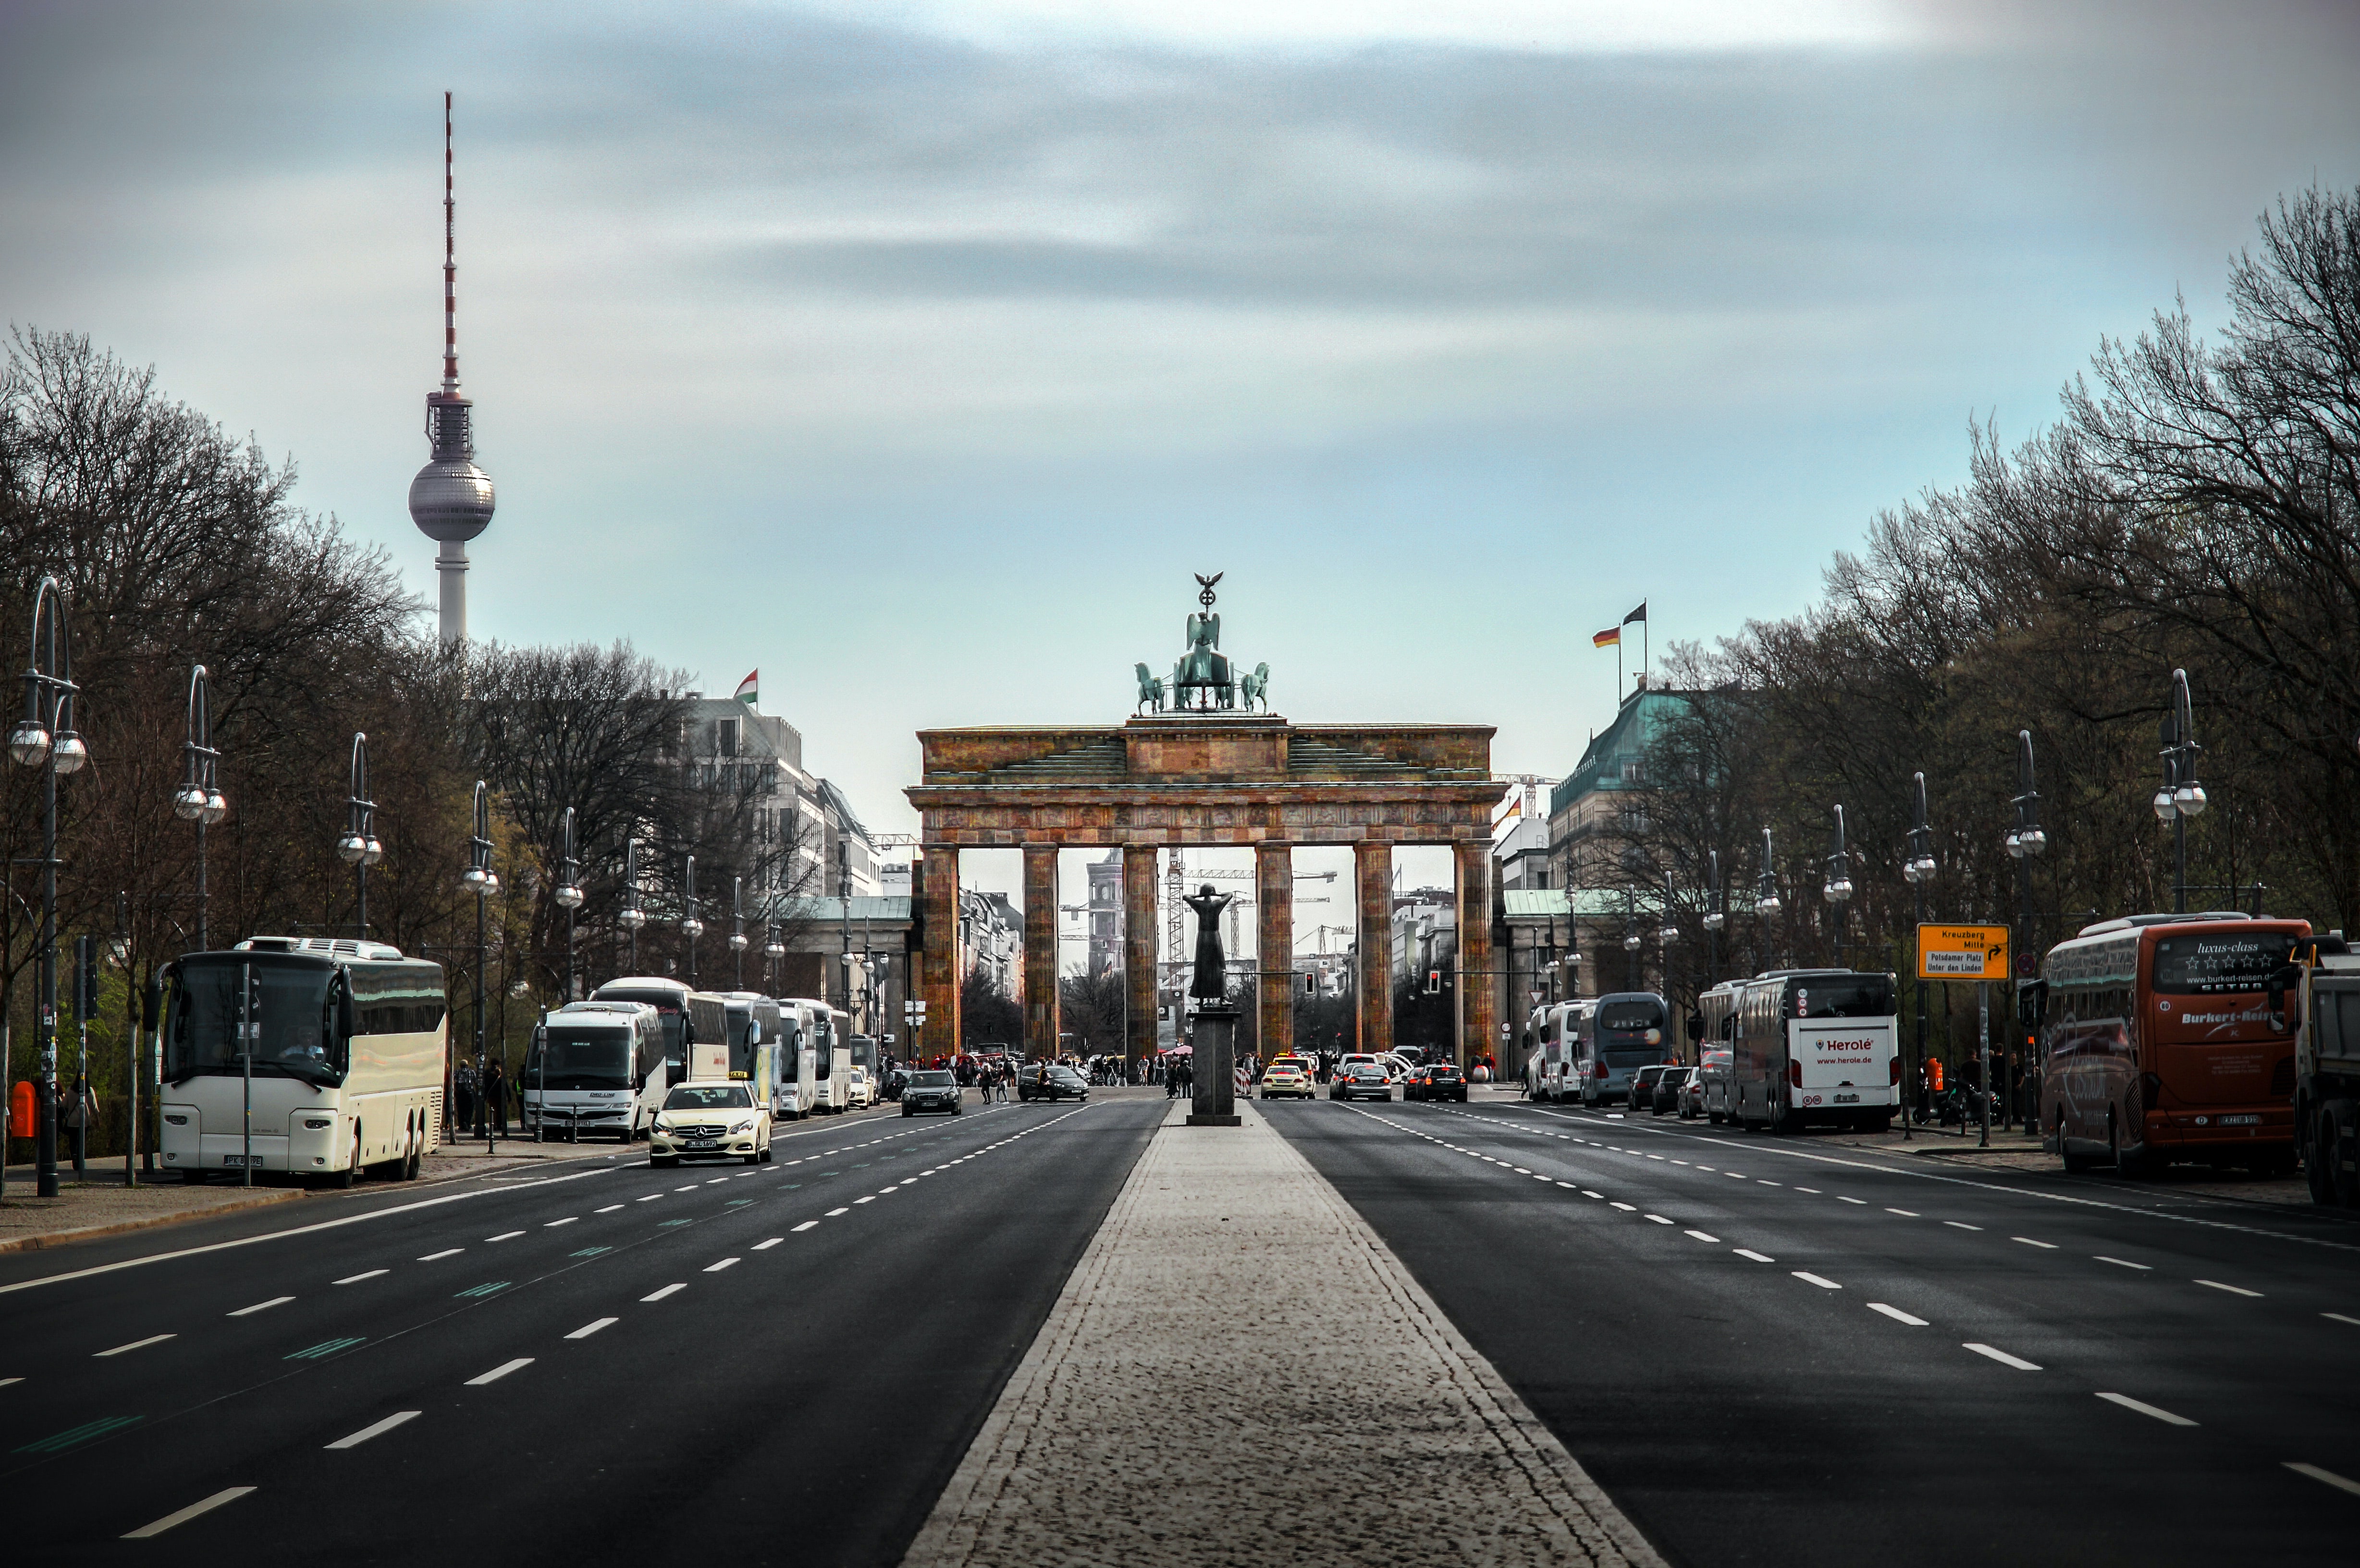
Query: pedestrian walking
<point>496,1099</point>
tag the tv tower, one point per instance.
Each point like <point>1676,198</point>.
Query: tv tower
<point>450,500</point>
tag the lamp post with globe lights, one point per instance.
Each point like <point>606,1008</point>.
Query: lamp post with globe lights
<point>1918,870</point>
<point>737,944</point>
<point>2025,845</point>
<point>690,926</point>
<point>45,739</point>
<point>1631,936</point>
<point>481,880</point>
<point>359,847</point>
<point>1766,903</point>
<point>632,917</point>
<point>2181,796</point>
<point>1837,891</point>
<point>1716,915</point>
<point>568,894</point>
<point>773,950</point>
<point>199,799</point>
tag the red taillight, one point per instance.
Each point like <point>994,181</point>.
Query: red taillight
<point>1894,1075</point>
<point>1601,1070</point>
<point>1795,1074</point>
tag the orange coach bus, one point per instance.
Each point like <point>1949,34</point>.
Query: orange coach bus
<point>2157,1043</point>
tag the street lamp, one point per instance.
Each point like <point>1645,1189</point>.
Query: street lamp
<point>45,739</point>
<point>690,926</point>
<point>773,950</point>
<point>2181,796</point>
<point>1837,890</point>
<point>480,879</point>
<point>1765,886</point>
<point>2025,845</point>
<point>632,917</point>
<point>737,927</point>
<point>359,847</point>
<point>1631,936</point>
<point>1918,870</point>
<point>199,799</point>
<point>568,896</point>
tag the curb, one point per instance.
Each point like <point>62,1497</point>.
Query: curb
<point>47,1239</point>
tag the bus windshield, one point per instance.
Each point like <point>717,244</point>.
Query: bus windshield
<point>578,1057</point>
<point>2219,962</point>
<point>1844,996</point>
<point>667,1005</point>
<point>286,1016</point>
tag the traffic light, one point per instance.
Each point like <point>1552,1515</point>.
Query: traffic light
<point>1434,982</point>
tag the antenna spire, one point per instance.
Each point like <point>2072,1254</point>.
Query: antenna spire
<point>449,263</point>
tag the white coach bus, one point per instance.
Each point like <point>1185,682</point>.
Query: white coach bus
<point>823,1034</point>
<point>595,1067</point>
<point>1815,1045</point>
<point>318,1058</point>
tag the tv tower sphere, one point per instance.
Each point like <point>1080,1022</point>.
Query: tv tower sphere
<point>451,498</point>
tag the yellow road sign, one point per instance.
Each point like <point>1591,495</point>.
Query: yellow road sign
<point>1961,953</point>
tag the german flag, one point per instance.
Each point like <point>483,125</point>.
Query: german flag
<point>1610,638</point>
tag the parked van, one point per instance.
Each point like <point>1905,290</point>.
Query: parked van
<point>595,1067</point>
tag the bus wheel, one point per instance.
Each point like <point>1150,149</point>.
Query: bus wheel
<point>352,1170</point>
<point>2074,1163</point>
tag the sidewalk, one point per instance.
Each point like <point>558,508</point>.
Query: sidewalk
<point>98,1203</point>
<point>1235,1342</point>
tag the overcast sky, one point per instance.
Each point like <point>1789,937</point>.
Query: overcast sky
<point>918,353</point>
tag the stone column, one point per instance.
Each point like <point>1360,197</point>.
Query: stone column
<point>1138,950</point>
<point>1274,899</point>
<point>1479,1026</point>
<point>1041,950</point>
<point>1372,874</point>
<point>935,886</point>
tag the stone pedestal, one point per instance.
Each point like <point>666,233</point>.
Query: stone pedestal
<point>1214,1068</point>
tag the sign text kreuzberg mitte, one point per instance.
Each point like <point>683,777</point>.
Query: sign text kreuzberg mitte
<point>1961,953</point>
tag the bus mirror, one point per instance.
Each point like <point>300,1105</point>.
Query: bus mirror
<point>1696,1026</point>
<point>2280,979</point>
<point>151,1005</point>
<point>348,1013</point>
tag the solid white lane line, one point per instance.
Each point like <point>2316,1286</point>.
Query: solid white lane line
<point>1897,1314</point>
<point>502,1370</point>
<point>724,1263</point>
<point>134,1344</point>
<point>2330,1476</point>
<point>593,1326</point>
<point>2146,1409</point>
<point>1701,1235</point>
<point>607,1210</point>
<point>567,1220</point>
<point>2339,1317</point>
<point>2003,1357</point>
<point>766,1246</point>
<point>231,1495</point>
<point>2233,1290</point>
<point>274,1302</point>
<point>378,1428</point>
<point>806,1225</point>
<point>505,1236</point>
<point>2045,1245</point>
<point>2123,1262</point>
<point>833,1212</point>
<point>356,1279</point>
<point>446,1252</point>
<point>660,1294</point>
<point>1749,1252</point>
<point>1905,1213</point>
<point>1961,1224</point>
<point>1808,1278</point>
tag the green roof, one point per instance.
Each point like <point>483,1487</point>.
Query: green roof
<point>1627,737</point>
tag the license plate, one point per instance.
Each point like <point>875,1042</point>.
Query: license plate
<point>234,1159</point>
<point>2241,1121</point>
<point>1847,1099</point>
<point>702,1143</point>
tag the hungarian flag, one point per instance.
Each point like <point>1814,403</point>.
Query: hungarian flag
<point>1610,638</point>
<point>745,687</point>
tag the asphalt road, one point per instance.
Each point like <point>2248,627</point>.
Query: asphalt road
<point>602,1362</point>
<point>1773,1351</point>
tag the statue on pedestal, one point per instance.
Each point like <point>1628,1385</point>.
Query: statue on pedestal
<point>1211,980</point>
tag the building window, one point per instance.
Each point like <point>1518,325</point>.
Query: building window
<point>726,737</point>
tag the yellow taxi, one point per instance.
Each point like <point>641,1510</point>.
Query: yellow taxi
<point>713,1120</point>
<point>1286,1078</point>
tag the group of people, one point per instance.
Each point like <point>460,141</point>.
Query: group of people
<point>481,1103</point>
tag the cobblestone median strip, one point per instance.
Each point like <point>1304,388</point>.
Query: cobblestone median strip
<point>1152,1423</point>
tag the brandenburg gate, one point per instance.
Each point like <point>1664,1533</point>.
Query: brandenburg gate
<point>1206,770</point>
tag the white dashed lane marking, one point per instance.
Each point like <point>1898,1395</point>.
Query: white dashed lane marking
<point>502,1370</point>
<point>1897,1314</point>
<point>593,1326</point>
<point>207,1504</point>
<point>2143,1408</point>
<point>660,1294</point>
<point>274,1302</point>
<point>134,1344</point>
<point>376,1429</point>
<point>2003,1357</point>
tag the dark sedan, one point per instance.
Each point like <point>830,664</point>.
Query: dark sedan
<point>1360,1081</point>
<point>1437,1081</point>
<point>933,1091</point>
<point>1642,1088</point>
<point>1669,1087</point>
<point>1052,1084</point>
